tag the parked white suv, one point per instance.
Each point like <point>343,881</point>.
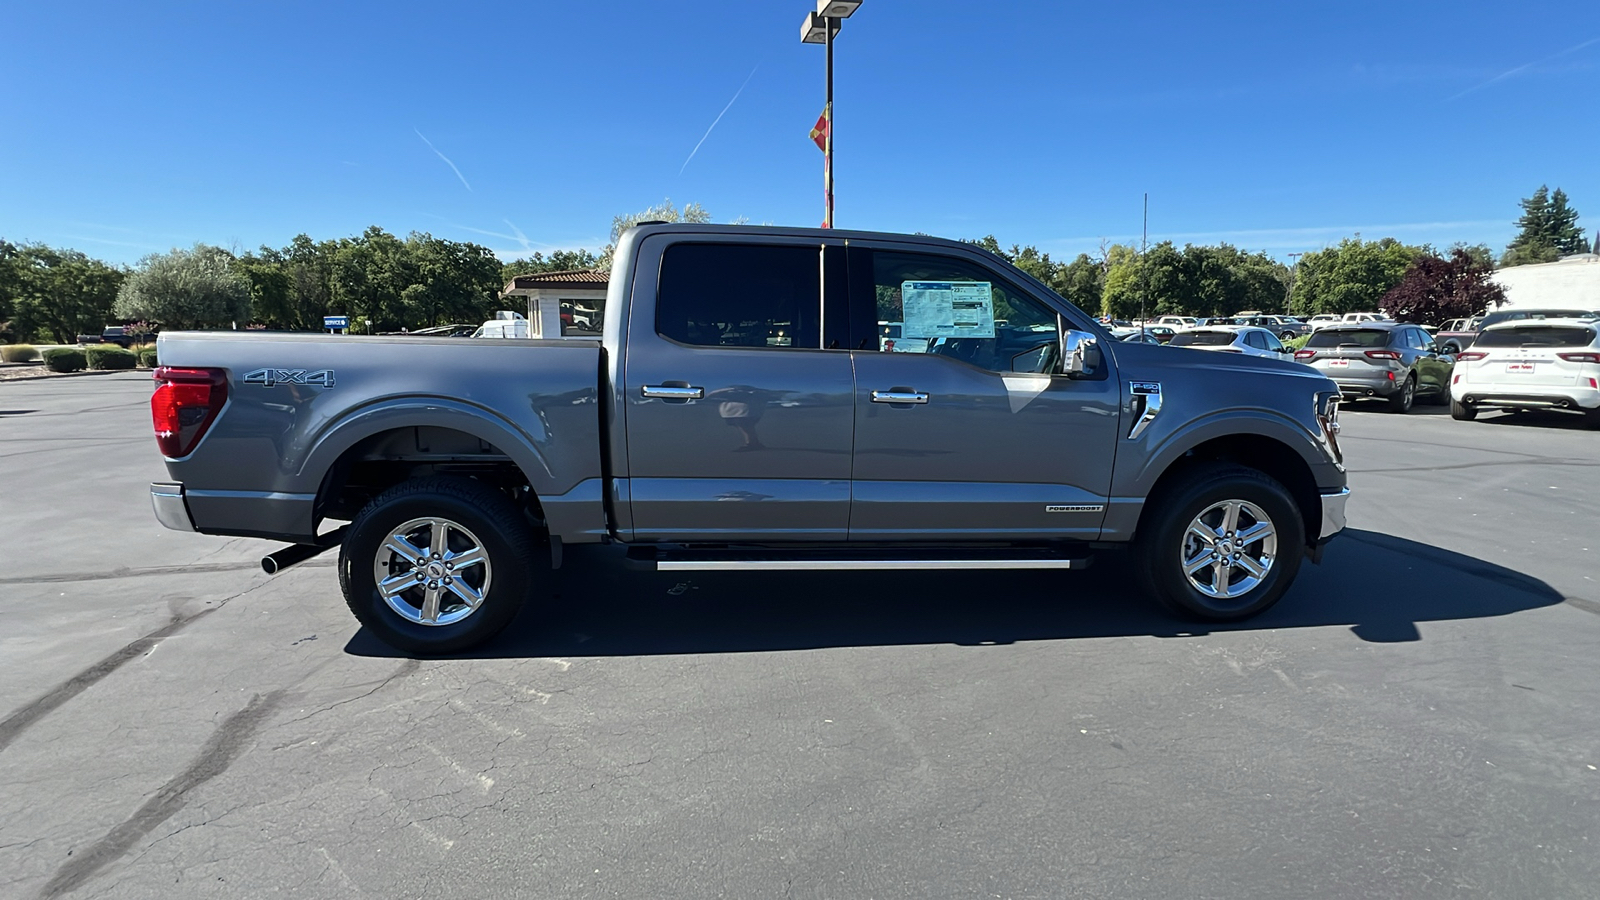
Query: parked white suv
<point>1246,339</point>
<point>1530,364</point>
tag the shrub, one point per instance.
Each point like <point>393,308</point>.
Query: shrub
<point>18,353</point>
<point>1298,342</point>
<point>103,357</point>
<point>64,359</point>
<point>147,358</point>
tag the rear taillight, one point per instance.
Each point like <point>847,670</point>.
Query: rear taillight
<point>1382,354</point>
<point>1469,356</point>
<point>1580,357</point>
<point>184,405</point>
<point>1304,354</point>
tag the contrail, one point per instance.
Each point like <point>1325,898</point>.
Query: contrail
<point>526,244</point>
<point>718,118</point>
<point>446,160</point>
<point>1522,68</point>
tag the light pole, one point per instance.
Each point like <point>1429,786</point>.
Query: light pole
<point>820,27</point>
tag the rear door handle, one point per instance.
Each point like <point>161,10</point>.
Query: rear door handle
<point>899,397</point>
<point>670,392</point>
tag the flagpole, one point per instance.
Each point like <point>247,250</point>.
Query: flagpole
<point>827,165</point>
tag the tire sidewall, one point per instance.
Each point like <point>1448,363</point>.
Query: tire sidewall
<point>511,573</point>
<point>1162,546</point>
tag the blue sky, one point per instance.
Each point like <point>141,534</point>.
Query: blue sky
<point>127,128</point>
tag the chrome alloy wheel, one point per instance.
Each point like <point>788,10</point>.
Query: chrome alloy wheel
<point>1229,549</point>
<point>432,571</point>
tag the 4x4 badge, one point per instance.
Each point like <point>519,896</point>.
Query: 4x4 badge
<point>269,377</point>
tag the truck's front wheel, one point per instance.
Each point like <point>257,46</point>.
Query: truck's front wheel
<point>437,565</point>
<point>1222,543</point>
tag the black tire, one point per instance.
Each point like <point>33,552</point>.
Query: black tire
<point>1162,541</point>
<point>1462,412</point>
<point>483,516</point>
<point>1591,417</point>
<point>1400,401</point>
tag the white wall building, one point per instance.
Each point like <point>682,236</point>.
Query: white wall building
<point>1571,283</point>
<point>563,304</point>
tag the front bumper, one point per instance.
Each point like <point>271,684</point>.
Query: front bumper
<point>1333,520</point>
<point>171,510</point>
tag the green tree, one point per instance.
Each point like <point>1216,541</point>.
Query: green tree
<point>1082,283</point>
<point>664,211</point>
<point>1350,277</point>
<point>60,294</point>
<point>192,288</point>
<point>10,286</point>
<point>1547,230</point>
<point>270,302</point>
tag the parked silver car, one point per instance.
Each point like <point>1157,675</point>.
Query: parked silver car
<point>1396,361</point>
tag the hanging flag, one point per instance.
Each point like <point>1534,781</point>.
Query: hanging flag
<point>819,131</point>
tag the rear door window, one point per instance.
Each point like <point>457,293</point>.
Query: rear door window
<point>740,295</point>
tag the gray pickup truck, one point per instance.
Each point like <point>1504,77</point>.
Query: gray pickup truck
<point>742,412</point>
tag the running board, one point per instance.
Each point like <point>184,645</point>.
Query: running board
<point>817,565</point>
<point>754,559</point>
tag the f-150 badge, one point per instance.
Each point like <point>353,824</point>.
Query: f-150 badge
<point>269,377</point>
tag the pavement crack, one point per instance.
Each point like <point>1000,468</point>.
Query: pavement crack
<point>12,726</point>
<point>224,746</point>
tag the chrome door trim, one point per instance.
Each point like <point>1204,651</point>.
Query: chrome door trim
<point>899,397</point>
<point>669,392</point>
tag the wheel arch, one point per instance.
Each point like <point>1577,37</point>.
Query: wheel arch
<point>1266,453</point>
<point>380,446</point>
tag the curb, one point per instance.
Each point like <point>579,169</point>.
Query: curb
<point>71,374</point>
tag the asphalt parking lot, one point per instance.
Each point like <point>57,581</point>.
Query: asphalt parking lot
<point>1416,719</point>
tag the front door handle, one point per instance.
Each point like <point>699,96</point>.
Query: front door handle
<point>899,397</point>
<point>672,392</point>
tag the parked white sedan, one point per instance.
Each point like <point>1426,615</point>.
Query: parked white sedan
<point>1246,339</point>
<point>1530,364</point>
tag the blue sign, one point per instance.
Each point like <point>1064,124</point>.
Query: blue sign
<point>335,321</point>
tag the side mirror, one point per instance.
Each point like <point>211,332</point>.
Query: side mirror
<point>1080,354</point>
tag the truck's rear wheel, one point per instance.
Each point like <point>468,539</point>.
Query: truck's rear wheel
<point>437,565</point>
<point>1222,543</point>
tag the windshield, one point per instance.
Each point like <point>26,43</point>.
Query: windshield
<point>1538,336</point>
<point>1202,339</point>
<point>1355,337</point>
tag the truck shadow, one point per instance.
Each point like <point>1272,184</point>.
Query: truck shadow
<point>1379,585</point>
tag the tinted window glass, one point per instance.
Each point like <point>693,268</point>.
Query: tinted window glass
<point>1356,337</point>
<point>726,295</point>
<point>1272,341</point>
<point>1253,338</point>
<point>950,307</point>
<point>1520,314</point>
<point>1537,335</point>
<point>1202,339</point>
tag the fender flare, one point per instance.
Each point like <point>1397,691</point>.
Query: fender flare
<point>409,412</point>
<point>1225,423</point>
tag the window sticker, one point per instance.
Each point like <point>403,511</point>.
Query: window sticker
<point>947,309</point>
